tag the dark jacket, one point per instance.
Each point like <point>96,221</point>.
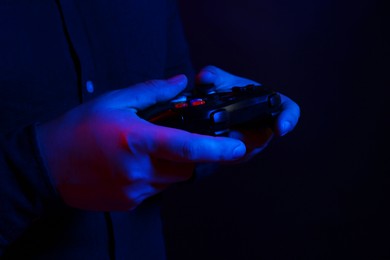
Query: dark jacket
<point>55,55</point>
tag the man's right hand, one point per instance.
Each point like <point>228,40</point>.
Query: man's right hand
<point>102,156</point>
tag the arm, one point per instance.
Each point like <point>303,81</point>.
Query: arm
<point>101,156</point>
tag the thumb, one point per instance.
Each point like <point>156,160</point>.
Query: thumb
<point>211,75</point>
<point>222,80</point>
<point>143,95</point>
<point>181,146</point>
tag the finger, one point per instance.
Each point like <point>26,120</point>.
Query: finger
<point>167,171</point>
<point>143,95</point>
<point>256,140</point>
<point>181,146</point>
<point>253,138</point>
<point>288,118</point>
<point>211,75</point>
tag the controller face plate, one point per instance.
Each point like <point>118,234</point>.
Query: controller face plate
<point>215,114</point>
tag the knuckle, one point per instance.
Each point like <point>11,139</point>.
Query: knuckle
<point>152,82</point>
<point>189,151</point>
<point>211,68</point>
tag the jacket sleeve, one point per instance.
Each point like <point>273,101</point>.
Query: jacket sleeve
<point>26,191</point>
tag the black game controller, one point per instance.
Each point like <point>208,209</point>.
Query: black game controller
<point>215,114</point>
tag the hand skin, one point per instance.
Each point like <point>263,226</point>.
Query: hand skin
<point>255,139</point>
<point>102,156</point>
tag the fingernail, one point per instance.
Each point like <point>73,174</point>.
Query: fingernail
<point>178,79</point>
<point>239,151</point>
<point>286,127</point>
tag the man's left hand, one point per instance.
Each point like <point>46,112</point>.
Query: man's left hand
<point>255,139</point>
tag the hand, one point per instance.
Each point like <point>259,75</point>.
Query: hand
<point>102,156</point>
<point>255,139</point>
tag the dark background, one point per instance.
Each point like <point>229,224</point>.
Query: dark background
<point>323,191</point>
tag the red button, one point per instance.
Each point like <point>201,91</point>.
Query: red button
<point>197,102</point>
<point>181,105</point>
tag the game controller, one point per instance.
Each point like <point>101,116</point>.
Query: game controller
<point>217,113</point>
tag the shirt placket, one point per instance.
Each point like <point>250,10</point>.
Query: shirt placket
<point>79,44</point>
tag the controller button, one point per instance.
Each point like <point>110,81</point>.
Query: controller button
<point>179,99</point>
<point>250,88</point>
<point>228,97</point>
<point>274,100</point>
<point>220,116</point>
<point>181,105</point>
<point>238,90</point>
<point>197,102</point>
